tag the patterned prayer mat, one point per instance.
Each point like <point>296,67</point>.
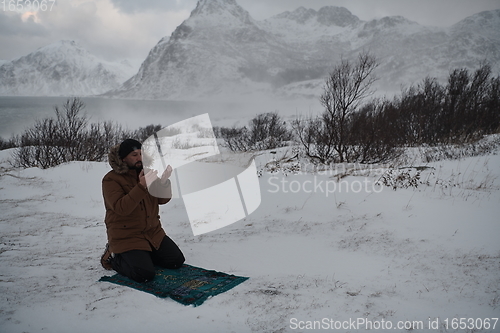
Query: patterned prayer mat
<point>188,285</point>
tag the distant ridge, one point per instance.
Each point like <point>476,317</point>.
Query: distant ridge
<point>220,50</point>
<point>63,68</point>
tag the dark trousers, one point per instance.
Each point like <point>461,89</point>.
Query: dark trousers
<point>139,265</point>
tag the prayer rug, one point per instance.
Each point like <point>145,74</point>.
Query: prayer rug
<point>188,285</point>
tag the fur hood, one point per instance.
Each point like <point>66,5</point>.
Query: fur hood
<point>116,162</point>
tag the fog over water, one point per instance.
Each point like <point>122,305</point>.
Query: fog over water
<point>19,113</point>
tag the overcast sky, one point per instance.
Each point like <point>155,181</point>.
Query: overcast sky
<point>118,29</point>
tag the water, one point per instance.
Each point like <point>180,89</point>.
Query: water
<point>19,113</point>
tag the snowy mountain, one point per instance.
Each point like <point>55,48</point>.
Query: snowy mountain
<point>221,50</point>
<point>61,69</point>
<point>220,45</point>
<point>304,25</point>
<point>477,37</point>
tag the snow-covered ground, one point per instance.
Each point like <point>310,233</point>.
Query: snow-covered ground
<point>316,259</point>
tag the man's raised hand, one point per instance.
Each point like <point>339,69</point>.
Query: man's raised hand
<point>166,174</point>
<point>148,178</point>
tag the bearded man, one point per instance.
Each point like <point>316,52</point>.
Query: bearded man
<point>136,239</point>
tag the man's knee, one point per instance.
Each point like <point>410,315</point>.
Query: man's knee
<point>179,261</point>
<point>136,265</point>
<point>172,262</point>
<point>169,255</point>
<point>139,274</point>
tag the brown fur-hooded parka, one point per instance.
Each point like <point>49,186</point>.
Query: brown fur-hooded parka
<point>132,214</point>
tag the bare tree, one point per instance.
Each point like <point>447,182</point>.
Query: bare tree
<point>346,87</point>
<point>329,137</point>
<point>71,125</point>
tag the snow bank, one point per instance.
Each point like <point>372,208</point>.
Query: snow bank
<point>398,255</point>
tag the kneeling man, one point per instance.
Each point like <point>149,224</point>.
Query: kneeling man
<point>136,239</point>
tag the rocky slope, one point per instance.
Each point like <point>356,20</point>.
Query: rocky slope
<point>221,50</point>
<point>61,69</point>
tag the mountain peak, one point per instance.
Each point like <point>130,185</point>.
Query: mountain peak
<point>213,8</point>
<point>299,15</point>
<point>487,21</point>
<point>61,44</point>
<point>61,50</point>
<point>482,17</point>
<point>217,51</point>
<point>338,16</point>
<point>328,16</point>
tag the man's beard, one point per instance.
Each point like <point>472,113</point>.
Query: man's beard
<point>138,166</point>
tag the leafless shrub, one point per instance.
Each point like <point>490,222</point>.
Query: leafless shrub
<point>266,131</point>
<point>143,133</point>
<point>68,137</point>
<point>347,131</point>
<point>235,138</point>
<point>10,143</point>
<point>485,146</point>
<point>401,178</point>
<point>463,111</point>
<point>314,137</point>
<point>452,120</point>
